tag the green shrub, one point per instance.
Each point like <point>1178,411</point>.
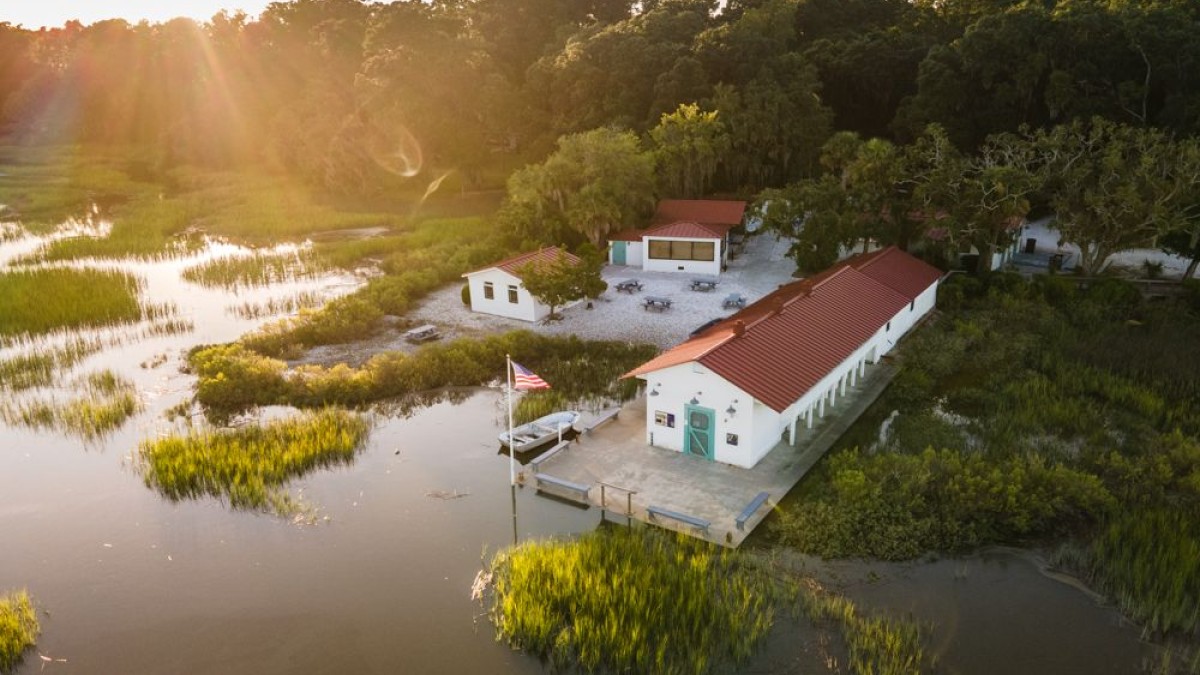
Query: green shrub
<point>466,294</point>
<point>18,628</point>
<point>897,506</point>
<point>232,378</point>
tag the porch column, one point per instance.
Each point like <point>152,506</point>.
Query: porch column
<point>792,432</point>
<point>810,416</point>
<point>862,367</point>
<point>833,396</point>
<point>822,404</point>
<point>843,384</point>
<point>854,375</point>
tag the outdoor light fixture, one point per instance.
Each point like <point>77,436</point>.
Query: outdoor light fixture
<point>695,400</point>
<point>731,411</point>
<point>654,391</point>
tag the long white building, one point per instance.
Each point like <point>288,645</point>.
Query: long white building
<point>733,392</point>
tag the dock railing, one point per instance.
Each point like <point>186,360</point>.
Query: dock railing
<point>604,487</point>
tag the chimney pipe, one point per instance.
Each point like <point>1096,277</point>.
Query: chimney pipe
<point>739,328</point>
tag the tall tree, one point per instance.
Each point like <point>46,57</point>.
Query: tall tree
<point>1115,187</point>
<point>688,143</point>
<point>597,182</point>
<point>986,196</point>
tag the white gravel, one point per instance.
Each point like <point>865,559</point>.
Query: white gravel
<point>758,270</point>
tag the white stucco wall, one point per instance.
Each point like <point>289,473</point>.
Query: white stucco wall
<point>758,427</point>
<point>525,309</point>
<point>633,254</point>
<point>679,384</point>
<point>704,267</point>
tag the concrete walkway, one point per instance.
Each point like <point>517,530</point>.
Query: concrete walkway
<point>625,476</point>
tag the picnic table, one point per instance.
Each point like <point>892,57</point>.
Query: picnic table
<point>704,283</point>
<point>734,300</point>
<point>422,333</point>
<point>657,303</point>
<point>629,286</point>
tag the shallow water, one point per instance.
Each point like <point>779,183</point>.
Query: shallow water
<point>132,583</point>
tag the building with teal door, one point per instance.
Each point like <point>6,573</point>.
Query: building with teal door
<point>757,379</point>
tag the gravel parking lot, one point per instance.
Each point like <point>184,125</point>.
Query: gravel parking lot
<point>761,267</point>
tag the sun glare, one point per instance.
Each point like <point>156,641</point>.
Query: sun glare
<point>54,13</point>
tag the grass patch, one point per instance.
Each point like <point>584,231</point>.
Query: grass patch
<point>250,466</point>
<point>231,378</point>
<point>108,400</point>
<point>275,306</point>
<point>258,269</point>
<point>1149,562</point>
<point>40,366</point>
<point>18,628</point>
<point>626,601</point>
<point>42,300</point>
<point>876,644</point>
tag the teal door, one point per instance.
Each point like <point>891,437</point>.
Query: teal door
<point>618,252</point>
<point>698,432</point>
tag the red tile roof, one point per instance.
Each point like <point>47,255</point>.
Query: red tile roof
<point>542,255</point>
<point>897,270</point>
<point>688,230</point>
<point>706,211</point>
<point>796,335</point>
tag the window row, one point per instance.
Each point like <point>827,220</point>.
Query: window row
<point>489,292</point>
<point>662,249</point>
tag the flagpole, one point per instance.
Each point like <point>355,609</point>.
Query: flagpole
<point>512,470</point>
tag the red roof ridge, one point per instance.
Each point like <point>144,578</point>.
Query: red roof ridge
<point>542,254</point>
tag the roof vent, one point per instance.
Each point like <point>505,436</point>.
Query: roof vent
<point>777,306</point>
<point>739,328</point>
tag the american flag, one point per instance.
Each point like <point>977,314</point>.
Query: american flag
<point>524,378</point>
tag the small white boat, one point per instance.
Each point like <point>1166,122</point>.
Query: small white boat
<point>542,430</point>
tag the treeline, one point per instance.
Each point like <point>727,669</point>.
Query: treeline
<point>350,95</point>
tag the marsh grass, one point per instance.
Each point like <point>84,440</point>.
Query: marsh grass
<point>40,366</point>
<point>1149,562</point>
<point>19,628</point>
<point>425,257</point>
<point>43,300</point>
<point>107,401</point>
<point>877,645</point>
<point>276,306</point>
<point>623,600</point>
<point>258,269</point>
<point>250,466</point>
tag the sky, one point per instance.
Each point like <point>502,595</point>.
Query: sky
<point>50,13</point>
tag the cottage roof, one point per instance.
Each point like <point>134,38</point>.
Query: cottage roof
<point>780,347</point>
<point>706,211</point>
<point>542,255</point>
<point>688,230</point>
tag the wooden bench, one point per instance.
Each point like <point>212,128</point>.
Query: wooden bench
<point>580,490</point>
<point>611,414</point>
<point>754,505</point>
<point>537,461</point>
<point>698,523</point>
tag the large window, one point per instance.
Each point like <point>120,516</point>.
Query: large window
<point>488,291</point>
<point>512,294</point>
<point>663,249</point>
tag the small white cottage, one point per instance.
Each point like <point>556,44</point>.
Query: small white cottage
<point>498,290</point>
<point>688,235</point>
<point>733,392</point>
